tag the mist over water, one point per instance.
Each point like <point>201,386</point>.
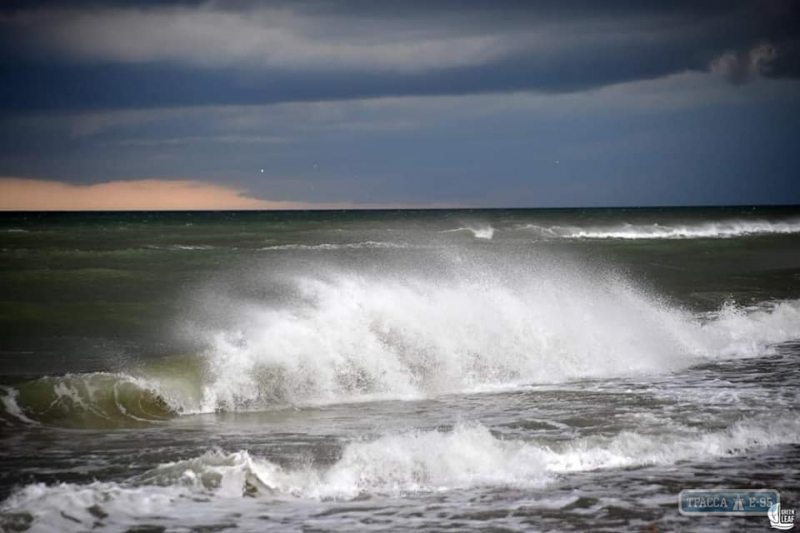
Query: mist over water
<point>260,371</point>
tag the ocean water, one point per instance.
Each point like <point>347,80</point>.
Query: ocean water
<point>470,370</point>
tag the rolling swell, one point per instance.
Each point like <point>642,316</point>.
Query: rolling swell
<point>86,400</point>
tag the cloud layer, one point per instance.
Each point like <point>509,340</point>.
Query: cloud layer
<point>262,38</point>
<point>230,53</point>
<point>407,103</point>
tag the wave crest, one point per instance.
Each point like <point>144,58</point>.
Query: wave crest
<point>706,230</point>
<point>480,231</point>
<point>345,337</point>
<point>87,400</point>
<point>339,336</point>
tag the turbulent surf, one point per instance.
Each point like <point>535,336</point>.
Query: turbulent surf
<point>270,371</point>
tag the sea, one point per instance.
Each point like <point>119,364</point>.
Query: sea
<point>434,370</point>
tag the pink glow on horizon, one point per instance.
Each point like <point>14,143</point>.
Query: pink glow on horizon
<point>18,194</point>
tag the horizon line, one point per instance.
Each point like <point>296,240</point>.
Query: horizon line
<point>420,208</point>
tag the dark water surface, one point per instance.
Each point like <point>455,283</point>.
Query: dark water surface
<point>536,370</point>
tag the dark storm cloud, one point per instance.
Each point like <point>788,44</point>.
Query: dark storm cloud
<point>165,85</point>
<point>89,55</point>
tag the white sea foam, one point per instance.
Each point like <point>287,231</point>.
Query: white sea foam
<point>482,231</point>
<point>631,449</point>
<point>11,406</point>
<point>469,456</point>
<point>191,247</point>
<point>180,247</point>
<point>341,246</point>
<point>343,336</point>
<point>701,230</point>
<point>72,507</point>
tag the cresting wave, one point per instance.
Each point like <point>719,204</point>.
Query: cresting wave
<point>392,465</point>
<point>87,400</point>
<point>340,246</point>
<point>187,247</point>
<point>705,230</point>
<point>482,231</point>
<point>344,336</point>
<point>338,336</point>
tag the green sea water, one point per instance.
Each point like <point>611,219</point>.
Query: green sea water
<point>525,369</point>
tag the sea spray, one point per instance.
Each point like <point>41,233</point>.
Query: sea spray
<point>297,336</point>
<point>338,333</point>
<point>336,336</point>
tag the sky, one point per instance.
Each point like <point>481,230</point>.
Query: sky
<point>364,104</point>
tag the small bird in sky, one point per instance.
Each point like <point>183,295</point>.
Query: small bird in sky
<point>262,170</point>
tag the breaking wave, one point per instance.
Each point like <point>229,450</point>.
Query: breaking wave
<point>344,336</point>
<point>341,246</point>
<point>321,355</point>
<point>86,400</point>
<point>328,336</point>
<point>704,230</point>
<point>484,231</point>
<point>392,465</point>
